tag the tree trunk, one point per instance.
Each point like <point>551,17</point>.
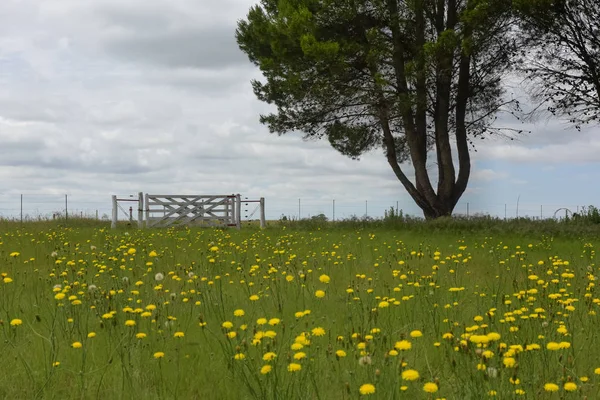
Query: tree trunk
<point>450,188</point>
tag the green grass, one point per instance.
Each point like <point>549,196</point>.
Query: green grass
<point>398,285</point>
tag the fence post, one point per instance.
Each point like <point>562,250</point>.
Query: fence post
<point>263,222</point>
<point>147,206</point>
<point>238,211</point>
<point>66,208</point>
<point>141,210</point>
<point>467,210</point>
<point>334,210</point>
<point>115,214</point>
<point>298,209</point>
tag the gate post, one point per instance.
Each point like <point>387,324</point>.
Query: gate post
<point>147,206</point>
<point>263,222</point>
<point>140,210</point>
<point>238,210</point>
<point>115,214</point>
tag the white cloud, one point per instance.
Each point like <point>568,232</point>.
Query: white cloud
<point>487,175</point>
<point>105,96</point>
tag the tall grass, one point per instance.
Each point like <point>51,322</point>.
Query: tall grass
<point>299,311</point>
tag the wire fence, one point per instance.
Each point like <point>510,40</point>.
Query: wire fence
<point>27,207</point>
<point>335,209</point>
<point>30,207</point>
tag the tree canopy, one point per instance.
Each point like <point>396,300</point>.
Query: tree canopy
<point>562,56</point>
<point>416,78</point>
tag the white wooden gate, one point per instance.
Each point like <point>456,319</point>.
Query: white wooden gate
<point>169,210</point>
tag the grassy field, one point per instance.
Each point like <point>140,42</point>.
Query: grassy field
<point>283,313</point>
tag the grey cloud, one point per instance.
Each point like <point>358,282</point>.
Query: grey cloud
<point>202,47</point>
<point>105,96</point>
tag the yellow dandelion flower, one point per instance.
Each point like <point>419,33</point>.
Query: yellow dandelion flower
<point>59,296</point>
<point>231,335</point>
<point>227,325</point>
<point>297,346</point>
<point>570,386</point>
<point>318,331</point>
<point>178,334</point>
<point>91,335</point>
<point>293,367</point>
<point>253,297</point>
<point>130,322</point>
<point>340,353</point>
<point>324,278</point>
<point>410,375</point>
<point>239,356</point>
<point>430,387</point>
<point>487,354</point>
<point>140,335</point>
<point>509,362</point>
<point>553,346</point>
<point>367,389</point>
<point>274,321</point>
<point>265,369</point>
<point>416,334</point>
<point>56,363</point>
<point>270,356</point>
<point>239,313</point>
<point>320,294</point>
<point>299,356</point>
<point>159,354</point>
<point>551,387</point>
<point>403,345</point>
<point>76,345</point>
<point>16,322</point>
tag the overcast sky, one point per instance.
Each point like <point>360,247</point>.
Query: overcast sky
<point>101,97</point>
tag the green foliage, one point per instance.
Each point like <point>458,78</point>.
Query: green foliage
<point>402,76</point>
<point>327,65</point>
<point>562,61</point>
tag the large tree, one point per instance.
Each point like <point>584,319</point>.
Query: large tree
<point>416,78</point>
<point>563,58</point>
